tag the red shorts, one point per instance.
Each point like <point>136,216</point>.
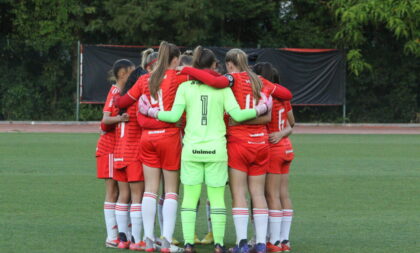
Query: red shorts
<point>161,148</point>
<point>132,173</point>
<point>104,166</point>
<point>281,157</point>
<point>250,158</point>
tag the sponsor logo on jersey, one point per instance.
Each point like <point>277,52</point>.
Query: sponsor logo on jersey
<point>256,135</point>
<point>204,152</point>
<point>157,132</point>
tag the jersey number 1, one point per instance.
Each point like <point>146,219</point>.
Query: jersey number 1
<point>204,104</point>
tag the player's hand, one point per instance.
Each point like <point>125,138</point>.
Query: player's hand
<point>264,105</point>
<point>146,108</point>
<point>275,137</point>
<point>179,69</point>
<point>144,105</point>
<point>124,117</point>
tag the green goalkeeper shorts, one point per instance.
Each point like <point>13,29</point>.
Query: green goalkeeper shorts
<point>214,174</point>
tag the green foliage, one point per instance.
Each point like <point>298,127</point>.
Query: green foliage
<point>358,17</point>
<point>382,38</point>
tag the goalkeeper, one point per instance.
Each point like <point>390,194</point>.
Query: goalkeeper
<point>204,155</point>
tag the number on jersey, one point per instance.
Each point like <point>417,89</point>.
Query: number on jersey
<point>248,102</point>
<point>281,121</point>
<point>204,105</point>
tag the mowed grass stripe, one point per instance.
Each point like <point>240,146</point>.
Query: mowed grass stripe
<point>351,193</point>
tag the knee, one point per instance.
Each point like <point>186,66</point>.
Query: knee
<point>271,196</point>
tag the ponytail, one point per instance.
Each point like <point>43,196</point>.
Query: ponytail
<point>167,51</point>
<point>203,58</point>
<point>240,60</point>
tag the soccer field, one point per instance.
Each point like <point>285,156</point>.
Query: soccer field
<point>351,193</point>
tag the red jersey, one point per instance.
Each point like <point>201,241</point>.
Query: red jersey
<point>242,89</point>
<point>128,135</point>
<point>106,142</point>
<point>279,117</point>
<point>165,100</point>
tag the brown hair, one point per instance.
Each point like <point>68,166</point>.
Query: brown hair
<point>117,66</point>
<point>203,58</point>
<point>240,60</point>
<point>167,52</point>
<point>147,56</point>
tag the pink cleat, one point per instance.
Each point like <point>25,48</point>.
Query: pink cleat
<point>141,246</point>
<point>112,243</point>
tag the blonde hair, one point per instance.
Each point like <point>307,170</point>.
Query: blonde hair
<point>147,56</point>
<point>240,60</point>
<point>167,52</point>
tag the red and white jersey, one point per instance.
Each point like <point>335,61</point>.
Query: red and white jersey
<point>165,98</point>
<point>128,135</point>
<point>279,118</point>
<point>106,142</point>
<point>242,89</point>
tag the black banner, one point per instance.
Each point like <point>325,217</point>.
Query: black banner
<point>315,77</point>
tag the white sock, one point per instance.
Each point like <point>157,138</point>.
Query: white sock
<point>160,216</point>
<point>274,221</point>
<point>110,221</point>
<point>149,214</point>
<point>136,221</point>
<point>208,212</point>
<point>169,211</point>
<point>240,218</point>
<point>121,215</point>
<point>286,223</point>
<point>261,221</point>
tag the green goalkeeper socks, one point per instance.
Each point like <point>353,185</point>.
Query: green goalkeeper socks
<point>218,212</point>
<point>189,211</point>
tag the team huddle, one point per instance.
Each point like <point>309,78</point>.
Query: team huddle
<point>176,118</point>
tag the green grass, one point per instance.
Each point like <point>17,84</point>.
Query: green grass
<point>351,193</point>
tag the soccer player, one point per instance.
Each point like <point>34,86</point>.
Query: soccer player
<point>204,154</point>
<point>105,148</point>
<point>247,148</point>
<point>281,156</point>
<point>129,174</point>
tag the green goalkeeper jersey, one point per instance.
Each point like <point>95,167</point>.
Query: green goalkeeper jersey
<point>204,139</point>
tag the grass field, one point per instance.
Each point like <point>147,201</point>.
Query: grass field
<point>351,193</point>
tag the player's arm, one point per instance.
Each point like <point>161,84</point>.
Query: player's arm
<point>277,91</point>
<point>107,119</point>
<point>209,79</point>
<point>262,120</point>
<point>277,136</point>
<point>291,118</point>
<point>130,97</point>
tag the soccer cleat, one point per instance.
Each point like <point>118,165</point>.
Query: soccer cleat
<point>260,248</point>
<point>242,247</point>
<point>196,240</point>
<point>189,248</point>
<point>208,239</point>
<point>124,243</point>
<point>175,241</point>
<point>285,245</point>
<point>219,248</point>
<point>150,245</point>
<point>167,247</point>
<point>141,246</point>
<point>274,247</point>
<point>112,243</point>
